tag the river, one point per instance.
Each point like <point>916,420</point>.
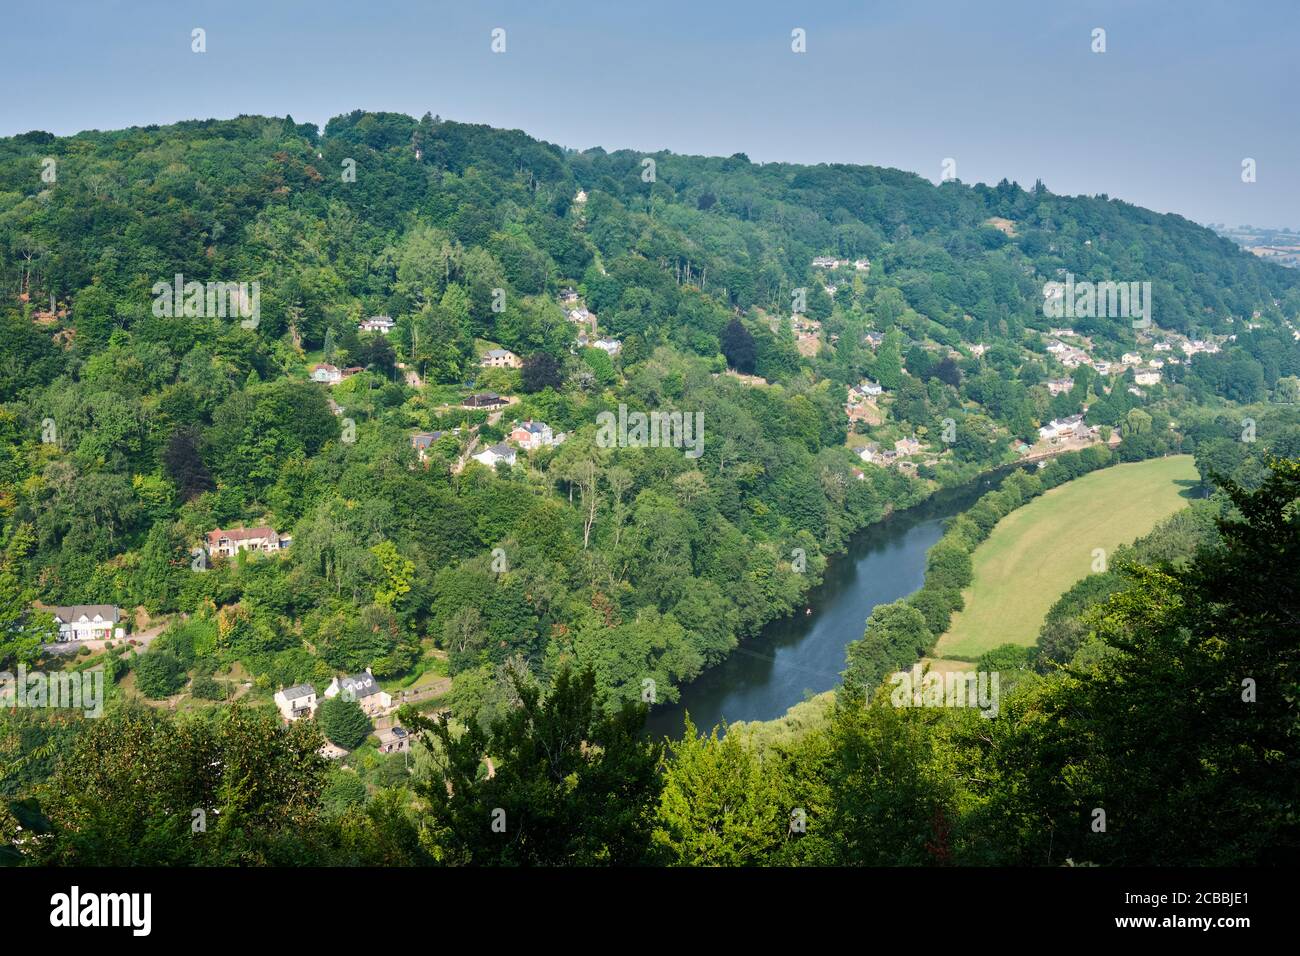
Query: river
<point>804,654</point>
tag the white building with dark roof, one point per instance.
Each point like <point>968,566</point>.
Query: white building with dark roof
<point>497,453</point>
<point>88,622</point>
<point>364,689</point>
<point>382,324</point>
<point>296,702</point>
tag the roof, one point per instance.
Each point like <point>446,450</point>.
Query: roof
<point>531,426</point>
<point>241,534</point>
<point>388,735</point>
<point>485,398</point>
<point>421,440</point>
<point>324,366</point>
<point>76,612</point>
<point>297,691</point>
<point>498,353</point>
<point>361,685</point>
<point>502,450</point>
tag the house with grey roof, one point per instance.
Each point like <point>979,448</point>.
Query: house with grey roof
<point>364,689</point>
<point>423,441</point>
<point>497,453</point>
<point>500,358</point>
<point>88,622</point>
<point>296,702</point>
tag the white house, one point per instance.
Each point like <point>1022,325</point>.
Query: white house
<point>611,346</point>
<point>1130,358</point>
<point>1163,346</point>
<point>497,453</point>
<point>484,400</point>
<point>324,372</point>
<point>88,622</point>
<point>364,689</point>
<point>382,324</point>
<point>230,542</point>
<point>296,702</point>
<point>1061,428</point>
<point>1147,378</point>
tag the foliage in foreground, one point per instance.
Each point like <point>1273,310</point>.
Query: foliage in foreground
<point>1178,717</point>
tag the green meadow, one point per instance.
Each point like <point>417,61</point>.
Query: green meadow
<point>1038,552</point>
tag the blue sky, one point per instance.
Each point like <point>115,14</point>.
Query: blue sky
<point>1184,92</point>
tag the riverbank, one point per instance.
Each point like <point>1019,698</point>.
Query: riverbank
<point>803,654</point>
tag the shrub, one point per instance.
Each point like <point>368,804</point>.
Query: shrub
<point>344,722</point>
<point>205,688</point>
<point>159,674</point>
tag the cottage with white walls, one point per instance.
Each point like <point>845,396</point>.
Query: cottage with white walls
<point>296,702</point>
<point>364,689</point>
<point>497,453</point>
<point>88,622</point>
<point>378,323</point>
<point>326,374</point>
<point>230,542</point>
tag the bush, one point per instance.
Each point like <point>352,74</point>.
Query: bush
<point>344,790</point>
<point>344,722</point>
<point>205,688</point>
<point>159,674</point>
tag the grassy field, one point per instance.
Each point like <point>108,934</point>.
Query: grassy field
<point>1038,552</point>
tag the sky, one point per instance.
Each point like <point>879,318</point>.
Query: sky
<point>1183,94</point>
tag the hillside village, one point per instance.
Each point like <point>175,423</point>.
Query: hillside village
<point>391,491</point>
